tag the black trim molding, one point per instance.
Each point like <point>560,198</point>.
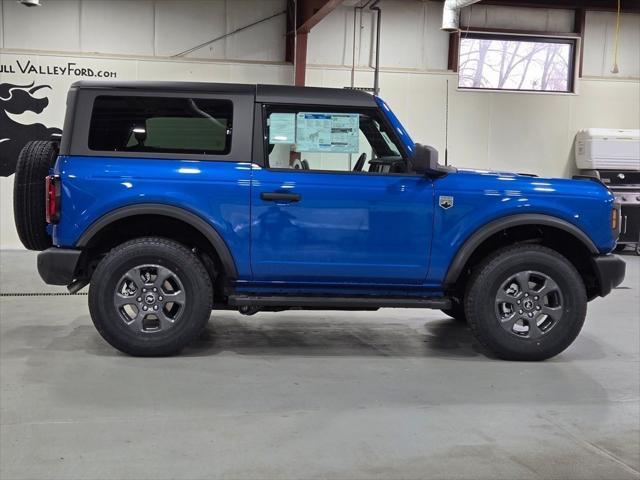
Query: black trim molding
<point>57,266</point>
<point>610,270</point>
<point>167,211</point>
<point>484,232</point>
<point>331,302</point>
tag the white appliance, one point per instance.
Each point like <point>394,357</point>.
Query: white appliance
<point>607,149</point>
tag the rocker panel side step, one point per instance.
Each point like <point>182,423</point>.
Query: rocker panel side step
<point>337,303</point>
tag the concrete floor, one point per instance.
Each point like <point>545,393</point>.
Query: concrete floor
<point>392,394</point>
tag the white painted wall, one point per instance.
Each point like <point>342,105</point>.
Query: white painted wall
<point>599,45</point>
<point>525,132</point>
<point>530,132</point>
<point>147,27</point>
<point>512,131</point>
<point>411,37</point>
<point>518,18</point>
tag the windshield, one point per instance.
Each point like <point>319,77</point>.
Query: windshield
<point>400,130</point>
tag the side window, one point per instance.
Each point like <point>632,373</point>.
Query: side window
<point>331,141</point>
<point>161,125</point>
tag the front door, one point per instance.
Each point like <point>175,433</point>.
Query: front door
<point>335,203</point>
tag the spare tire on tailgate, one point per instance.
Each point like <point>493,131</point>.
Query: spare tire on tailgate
<point>34,162</point>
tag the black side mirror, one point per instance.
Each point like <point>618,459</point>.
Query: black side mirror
<point>425,161</point>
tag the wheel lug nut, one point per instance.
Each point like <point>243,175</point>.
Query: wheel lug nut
<point>139,299</point>
<point>520,312</point>
<point>144,290</point>
<point>144,308</point>
<point>160,298</point>
<point>530,315</point>
<point>155,289</point>
<point>537,307</point>
<point>518,302</point>
<point>526,294</point>
<point>155,307</point>
<point>535,298</point>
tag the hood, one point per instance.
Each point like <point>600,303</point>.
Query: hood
<point>512,183</point>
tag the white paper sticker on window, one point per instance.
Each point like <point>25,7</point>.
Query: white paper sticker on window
<point>327,132</point>
<point>282,128</point>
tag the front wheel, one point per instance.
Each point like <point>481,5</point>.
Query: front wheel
<point>150,296</point>
<point>526,302</point>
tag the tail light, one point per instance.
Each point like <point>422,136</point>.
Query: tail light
<point>52,199</point>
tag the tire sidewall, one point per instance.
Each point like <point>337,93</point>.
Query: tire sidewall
<point>33,165</point>
<point>482,305</point>
<point>108,320</point>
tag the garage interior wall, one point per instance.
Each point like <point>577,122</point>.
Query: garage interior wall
<point>529,132</point>
<point>139,40</point>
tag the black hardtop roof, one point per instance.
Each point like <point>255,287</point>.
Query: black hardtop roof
<point>263,93</point>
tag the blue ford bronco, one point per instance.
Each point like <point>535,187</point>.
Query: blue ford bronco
<point>176,199</point>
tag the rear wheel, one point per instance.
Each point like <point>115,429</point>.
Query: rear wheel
<point>150,296</point>
<point>34,162</point>
<point>526,302</point>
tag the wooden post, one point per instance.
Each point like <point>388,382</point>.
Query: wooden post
<point>301,58</point>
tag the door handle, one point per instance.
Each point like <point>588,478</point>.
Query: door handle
<point>279,197</point>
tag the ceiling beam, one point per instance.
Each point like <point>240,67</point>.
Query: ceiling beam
<point>308,14</point>
<point>311,12</point>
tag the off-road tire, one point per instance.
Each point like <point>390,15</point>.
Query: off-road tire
<point>150,251</point>
<point>485,282</point>
<point>34,162</point>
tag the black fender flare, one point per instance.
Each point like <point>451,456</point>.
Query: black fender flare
<point>192,219</point>
<point>491,228</point>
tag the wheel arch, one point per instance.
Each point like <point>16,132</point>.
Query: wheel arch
<point>479,238</point>
<point>167,211</point>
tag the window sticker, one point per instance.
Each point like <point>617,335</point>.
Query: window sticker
<point>282,128</point>
<point>327,132</point>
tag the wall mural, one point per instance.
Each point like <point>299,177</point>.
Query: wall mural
<point>16,100</point>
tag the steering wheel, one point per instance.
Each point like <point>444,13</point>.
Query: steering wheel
<point>360,163</point>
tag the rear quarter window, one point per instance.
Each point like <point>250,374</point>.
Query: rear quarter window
<point>161,125</point>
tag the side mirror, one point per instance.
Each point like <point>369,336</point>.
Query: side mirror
<point>425,161</point>
<point>424,157</point>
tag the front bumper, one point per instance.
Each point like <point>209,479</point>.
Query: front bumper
<point>58,266</point>
<point>610,270</point>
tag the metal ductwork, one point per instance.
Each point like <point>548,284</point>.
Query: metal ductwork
<point>451,13</point>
